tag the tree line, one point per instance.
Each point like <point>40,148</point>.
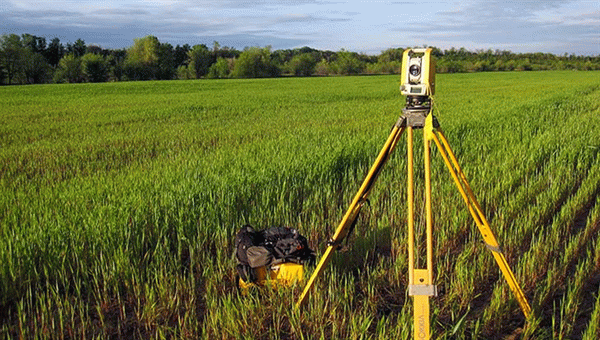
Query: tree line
<point>29,59</point>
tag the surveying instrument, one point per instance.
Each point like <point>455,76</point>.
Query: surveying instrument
<point>418,85</point>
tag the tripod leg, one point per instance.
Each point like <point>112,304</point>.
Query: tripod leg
<point>428,211</point>
<point>410,215</point>
<point>352,212</point>
<point>420,281</point>
<point>476,212</point>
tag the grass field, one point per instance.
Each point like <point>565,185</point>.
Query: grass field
<point>119,203</point>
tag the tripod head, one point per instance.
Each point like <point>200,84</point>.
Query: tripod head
<point>418,102</point>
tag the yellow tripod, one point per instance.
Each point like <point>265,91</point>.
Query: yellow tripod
<point>420,279</point>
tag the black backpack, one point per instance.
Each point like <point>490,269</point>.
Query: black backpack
<point>269,247</point>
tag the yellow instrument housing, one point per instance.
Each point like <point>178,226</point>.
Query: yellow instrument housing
<point>425,84</point>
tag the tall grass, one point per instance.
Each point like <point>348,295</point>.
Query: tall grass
<point>119,203</point>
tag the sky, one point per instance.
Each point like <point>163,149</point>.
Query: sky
<point>369,27</point>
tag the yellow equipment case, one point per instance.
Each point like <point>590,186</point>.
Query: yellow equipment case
<point>280,275</point>
<point>272,257</point>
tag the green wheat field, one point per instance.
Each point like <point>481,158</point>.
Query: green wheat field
<point>119,203</point>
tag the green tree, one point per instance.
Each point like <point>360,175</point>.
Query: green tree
<point>181,54</point>
<point>166,62</point>
<point>450,66</point>
<point>116,62</point>
<point>523,65</point>
<point>302,65</point>
<point>220,69</point>
<point>483,66</point>
<point>323,68</point>
<point>94,67</point>
<point>219,51</point>
<point>255,62</point>
<point>391,54</point>
<point>388,62</point>
<point>184,73</point>
<point>11,56</point>
<point>35,67</point>
<point>96,50</point>
<point>142,58</point>
<point>33,43</point>
<point>78,48</point>
<point>54,52</point>
<point>199,60</point>
<point>348,63</point>
<point>69,70</point>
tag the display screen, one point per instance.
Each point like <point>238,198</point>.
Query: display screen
<point>415,90</point>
